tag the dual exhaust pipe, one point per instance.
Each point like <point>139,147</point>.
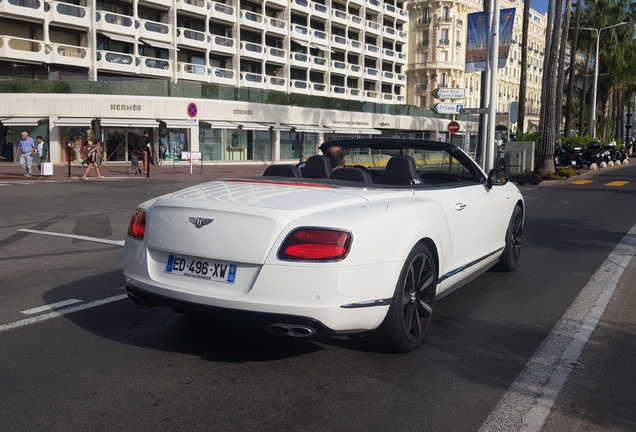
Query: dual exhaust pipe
<point>278,329</point>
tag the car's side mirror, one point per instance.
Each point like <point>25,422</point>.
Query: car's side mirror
<point>497,177</point>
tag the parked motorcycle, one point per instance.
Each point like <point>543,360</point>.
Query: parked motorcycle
<point>568,156</point>
<point>592,154</point>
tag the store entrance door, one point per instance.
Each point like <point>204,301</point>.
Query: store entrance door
<point>118,142</point>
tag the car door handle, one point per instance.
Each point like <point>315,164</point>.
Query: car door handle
<point>460,206</point>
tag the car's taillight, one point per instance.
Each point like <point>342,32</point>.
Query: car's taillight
<point>315,244</point>
<point>137,226</point>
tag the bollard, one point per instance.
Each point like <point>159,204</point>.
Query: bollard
<point>68,157</point>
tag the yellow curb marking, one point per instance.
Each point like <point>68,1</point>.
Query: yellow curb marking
<point>617,183</point>
<point>582,182</point>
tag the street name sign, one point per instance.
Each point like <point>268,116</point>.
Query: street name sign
<point>447,108</point>
<point>474,111</point>
<point>450,93</point>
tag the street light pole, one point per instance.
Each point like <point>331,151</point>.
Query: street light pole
<point>598,38</point>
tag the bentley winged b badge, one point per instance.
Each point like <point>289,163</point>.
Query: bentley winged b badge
<point>200,222</point>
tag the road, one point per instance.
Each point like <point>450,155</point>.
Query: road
<point>95,361</point>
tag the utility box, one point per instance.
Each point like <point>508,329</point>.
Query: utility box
<point>519,156</point>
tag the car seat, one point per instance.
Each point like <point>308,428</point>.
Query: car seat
<point>401,170</point>
<point>282,171</point>
<point>317,166</point>
<point>351,174</point>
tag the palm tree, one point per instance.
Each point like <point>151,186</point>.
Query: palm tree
<point>573,57</point>
<point>561,75</point>
<point>523,80</point>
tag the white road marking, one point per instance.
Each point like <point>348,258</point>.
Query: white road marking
<point>62,312</point>
<point>79,237</point>
<point>527,403</point>
<point>50,306</point>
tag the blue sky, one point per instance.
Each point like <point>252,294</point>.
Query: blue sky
<point>539,5</point>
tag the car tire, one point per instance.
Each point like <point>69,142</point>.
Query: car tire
<point>411,310</point>
<point>509,258</point>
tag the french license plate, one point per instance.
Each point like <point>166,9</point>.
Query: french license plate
<point>200,268</point>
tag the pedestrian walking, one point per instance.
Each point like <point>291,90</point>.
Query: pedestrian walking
<point>92,156</point>
<point>43,152</point>
<point>134,161</point>
<point>25,151</point>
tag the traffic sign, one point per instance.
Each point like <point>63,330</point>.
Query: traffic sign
<point>474,111</point>
<point>453,127</point>
<point>447,108</point>
<point>450,93</point>
<point>192,110</point>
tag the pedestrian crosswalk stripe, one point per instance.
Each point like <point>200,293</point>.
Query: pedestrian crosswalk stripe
<point>582,182</point>
<point>617,183</point>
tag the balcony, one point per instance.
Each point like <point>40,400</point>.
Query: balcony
<point>192,38</point>
<point>339,17</point>
<point>276,26</point>
<point>276,83</point>
<point>320,11</point>
<point>320,64</point>
<point>318,89</point>
<point>355,46</point>
<point>355,94</point>
<point>222,12</point>
<point>372,51</point>
<point>355,70</point>
<point>300,87</point>
<point>372,74</point>
<point>116,62</point>
<point>275,55</point>
<point>337,91</point>
<point>445,20</point>
<point>388,76</point>
<point>33,9</point>
<point>299,60</point>
<point>423,44</point>
<point>356,22</point>
<point>155,67</point>
<point>371,96</point>
<point>339,42</point>
<point>399,99</point>
<point>402,35</point>
<point>387,98</point>
<point>424,21</point>
<point>390,10</point>
<point>299,32</point>
<point>401,79</point>
<point>251,51</point>
<point>13,48</point>
<point>68,55</point>
<point>338,67</point>
<point>196,7</point>
<point>155,31</point>
<point>444,42</point>
<point>300,6</point>
<point>319,37</point>
<point>374,5</point>
<point>68,14</point>
<point>401,58</point>
<point>223,44</point>
<point>251,20</point>
<point>389,31</point>
<point>192,72</point>
<point>388,53</point>
<point>374,28</point>
<point>223,76</point>
<point>115,23</point>
<point>402,15</point>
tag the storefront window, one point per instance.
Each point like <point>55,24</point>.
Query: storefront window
<point>119,142</point>
<point>297,145</point>
<point>211,143</point>
<point>261,145</point>
<point>172,141</point>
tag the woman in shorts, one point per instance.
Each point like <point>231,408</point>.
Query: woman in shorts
<point>92,155</point>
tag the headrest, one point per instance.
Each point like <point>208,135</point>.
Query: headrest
<point>401,170</point>
<point>282,171</point>
<point>351,174</point>
<point>317,166</point>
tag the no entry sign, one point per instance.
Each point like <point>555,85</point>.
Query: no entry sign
<point>453,127</point>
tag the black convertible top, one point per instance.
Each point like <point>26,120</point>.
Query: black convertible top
<point>391,143</point>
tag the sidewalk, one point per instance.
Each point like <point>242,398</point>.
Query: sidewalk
<point>11,171</point>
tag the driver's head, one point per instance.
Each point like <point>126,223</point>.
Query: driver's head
<point>336,156</point>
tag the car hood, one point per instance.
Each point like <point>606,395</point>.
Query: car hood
<point>245,217</point>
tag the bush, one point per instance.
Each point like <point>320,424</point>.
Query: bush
<point>527,177</point>
<point>566,172</point>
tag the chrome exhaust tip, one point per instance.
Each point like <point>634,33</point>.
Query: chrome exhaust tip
<point>135,299</point>
<point>293,330</point>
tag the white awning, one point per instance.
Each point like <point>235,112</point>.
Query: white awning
<point>139,123</point>
<point>353,131</point>
<point>157,44</point>
<point>22,121</point>
<point>121,38</point>
<point>71,121</point>
<point>252,126</point>
<point>219,124</point>
<point>303,43</point>
<point>179,123</point>
<point>307,128</point>
<point>276,126</point>
<point>370,131</point>
<point>322,48</point>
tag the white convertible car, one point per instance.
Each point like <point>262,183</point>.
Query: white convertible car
<point>363,249</point>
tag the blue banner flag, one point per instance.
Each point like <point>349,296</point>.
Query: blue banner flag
<point>477,39</point>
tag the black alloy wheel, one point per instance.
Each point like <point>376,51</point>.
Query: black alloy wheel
<point>511,254</point>
<point>411,311</point>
